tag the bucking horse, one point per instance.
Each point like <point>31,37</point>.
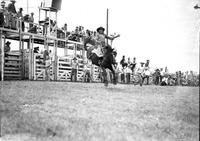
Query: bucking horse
<point>107,61</point>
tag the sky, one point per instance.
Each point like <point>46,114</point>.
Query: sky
<point>164,31</point>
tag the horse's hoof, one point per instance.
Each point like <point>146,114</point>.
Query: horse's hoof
<point>106,84</point>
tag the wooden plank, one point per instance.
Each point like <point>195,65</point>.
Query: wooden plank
<point>15,35</point>
<point>12,75</point>
<point>13,78</point>
<point>9,30</point>
<point>11,64</point>
<point>39,66</point>
<point>12,72</point>
<point>2,57</point>
<point>64,67</point>
<point>18,54</point>
<point>13,59</point>
<point>11,68</point>
<point>64,63</point>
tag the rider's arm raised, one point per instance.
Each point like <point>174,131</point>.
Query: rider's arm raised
<point>108,37</point>
<point>111,38</point>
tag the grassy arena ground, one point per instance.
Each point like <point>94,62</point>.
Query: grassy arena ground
<point>64,111</point>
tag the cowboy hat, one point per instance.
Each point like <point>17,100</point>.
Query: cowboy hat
<point>12,0</point>
<point>74,58</point>
<point>100,28</point>
<point>8,42</point>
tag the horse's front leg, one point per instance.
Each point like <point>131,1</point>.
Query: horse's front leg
<point>105,79</point>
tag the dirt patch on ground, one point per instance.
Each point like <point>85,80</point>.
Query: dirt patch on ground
<point>91,112</point>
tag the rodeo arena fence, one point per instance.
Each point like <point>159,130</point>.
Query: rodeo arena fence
<point>27,63</point>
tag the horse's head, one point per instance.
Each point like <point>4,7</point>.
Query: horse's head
<point>109,49</point>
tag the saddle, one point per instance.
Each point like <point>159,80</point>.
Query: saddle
<point>94,50</point>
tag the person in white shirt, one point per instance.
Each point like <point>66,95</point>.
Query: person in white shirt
<point>146,74</point>
<point>161,74</point>
<point>164,81</point>
<point>87,72</point>
<point>74,64</point>
<point>140,69</point>
<point>128,74</point>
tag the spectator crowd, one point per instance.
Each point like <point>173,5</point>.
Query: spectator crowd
<point>12,19</point>
<point>157,76</point>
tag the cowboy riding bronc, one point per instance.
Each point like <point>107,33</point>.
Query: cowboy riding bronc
<point>101,39</point>
<point>100,53</point>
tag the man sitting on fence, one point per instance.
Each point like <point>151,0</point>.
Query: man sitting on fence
<point>74,64</point>
<point>11,7</point>
<point>13,14</point>
<point>2,14</point>
<point>31,20</point>
<point>20,16</point>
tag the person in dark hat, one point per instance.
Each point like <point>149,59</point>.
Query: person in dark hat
<point>147,63</point>
<point>19,13</point>
<point>142,64</point>
<point>74,64</point>
<point>157,76</point>
<point>123,62</point>
<point>7,47</point>
<point>11,7</point>
<point>2,9</point>
<point>133,65</point>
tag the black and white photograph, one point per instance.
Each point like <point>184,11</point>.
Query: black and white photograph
<point>91,70</point>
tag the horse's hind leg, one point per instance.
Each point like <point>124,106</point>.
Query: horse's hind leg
<point>114,74</point>
<point>114,78</point>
